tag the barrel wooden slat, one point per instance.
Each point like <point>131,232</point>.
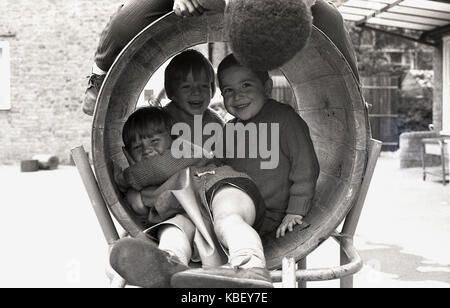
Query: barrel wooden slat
<point>301,63</point>
<point>327,96</point>
<point>194,32</point>
<point>313,95</point>
<point>328,124</point>
<point>362,129</point>
<point>324,192</point>
<point>216,31</point>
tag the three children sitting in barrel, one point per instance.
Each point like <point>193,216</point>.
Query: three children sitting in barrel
<point>242,193</point>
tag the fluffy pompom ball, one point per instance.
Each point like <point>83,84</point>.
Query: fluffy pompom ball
<point>265,34</point>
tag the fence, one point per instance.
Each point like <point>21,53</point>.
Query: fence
<point>382,94</point>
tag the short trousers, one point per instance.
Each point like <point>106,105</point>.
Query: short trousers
<point>247,186</point>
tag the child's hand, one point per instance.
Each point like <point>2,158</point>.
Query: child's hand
<point>130,159</point>
<point>187,8</point>
<point>135,200</point>
<point>289,221</point>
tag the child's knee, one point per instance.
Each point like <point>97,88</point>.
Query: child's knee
<point>229,201</point>
<point>179,228</point>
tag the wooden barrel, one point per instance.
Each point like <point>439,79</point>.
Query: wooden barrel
<point>327,97</point>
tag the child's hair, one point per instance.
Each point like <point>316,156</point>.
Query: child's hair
<point>230,61</point>
<point>184,63</point>
<point>144,122</point>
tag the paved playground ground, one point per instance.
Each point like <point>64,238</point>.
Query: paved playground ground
<point>50,236</point>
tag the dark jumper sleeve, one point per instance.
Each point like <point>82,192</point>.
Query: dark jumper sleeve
<point>298,146</point>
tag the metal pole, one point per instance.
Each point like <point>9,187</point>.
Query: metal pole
<point>442,145</point>
<point>351,221</point>
<point>345,282</point>
<point>81,160</point>
<point>330,273</point>
<point>288,279</point>
<point>302,266</point>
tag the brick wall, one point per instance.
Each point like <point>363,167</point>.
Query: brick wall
<point>52,43</point>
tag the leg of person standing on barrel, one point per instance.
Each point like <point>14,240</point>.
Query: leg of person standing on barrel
<point>329,20</point>
<point>131,17</point>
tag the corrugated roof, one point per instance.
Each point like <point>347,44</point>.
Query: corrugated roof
<point>421,15</point>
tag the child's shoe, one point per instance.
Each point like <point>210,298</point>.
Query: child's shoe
<point>141,263</point>
<point>223,277</point>
<point>90,97</point>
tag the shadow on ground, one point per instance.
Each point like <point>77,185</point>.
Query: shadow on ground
<point>391,259</point>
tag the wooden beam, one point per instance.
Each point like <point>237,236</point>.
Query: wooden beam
<point>437,33</point>
<point>414,19</point>
<point>429,5</point>
<point>376,12</point>
<point>398,24</point>
<point>98,204</point>
<point>406,37</point>
<point>419,12</point>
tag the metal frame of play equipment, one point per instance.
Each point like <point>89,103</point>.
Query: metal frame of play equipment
<point>336,114</point>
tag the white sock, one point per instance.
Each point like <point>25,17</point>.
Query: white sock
<point>182,256</point>
<point>247,258</point>
<point>97,70</point>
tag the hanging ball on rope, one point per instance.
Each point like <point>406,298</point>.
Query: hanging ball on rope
<point>265,34</point>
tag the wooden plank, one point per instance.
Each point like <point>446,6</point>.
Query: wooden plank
<point>379,87</point>
<point>352,17</point>
<point>399,24</point>
<point>194,32</point>
<point>383,115</point>
<point>382,93</point>
<point>420,12</point>
<point>352,219</point>
<point>98,204</point>
<point>364,4</point>
<point>355,11</point>
<point>216,30</point>
<point>413,19</point>
<point>383,1</point>
<point>429,5</point>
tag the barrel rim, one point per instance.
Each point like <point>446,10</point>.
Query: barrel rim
<point>105,178</point>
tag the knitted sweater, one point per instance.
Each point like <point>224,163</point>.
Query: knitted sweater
<point>288,188</point>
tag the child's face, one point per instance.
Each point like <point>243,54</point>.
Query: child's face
<point>193,94</point>
<point>149,146</point>
<point>243,92</point>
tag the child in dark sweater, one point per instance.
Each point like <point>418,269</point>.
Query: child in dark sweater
<point>288,185</point>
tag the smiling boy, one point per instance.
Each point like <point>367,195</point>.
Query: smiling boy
<point>288,188</point>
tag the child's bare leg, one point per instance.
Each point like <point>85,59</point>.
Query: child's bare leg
<point>234,213</point>
<point>176,241</point>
